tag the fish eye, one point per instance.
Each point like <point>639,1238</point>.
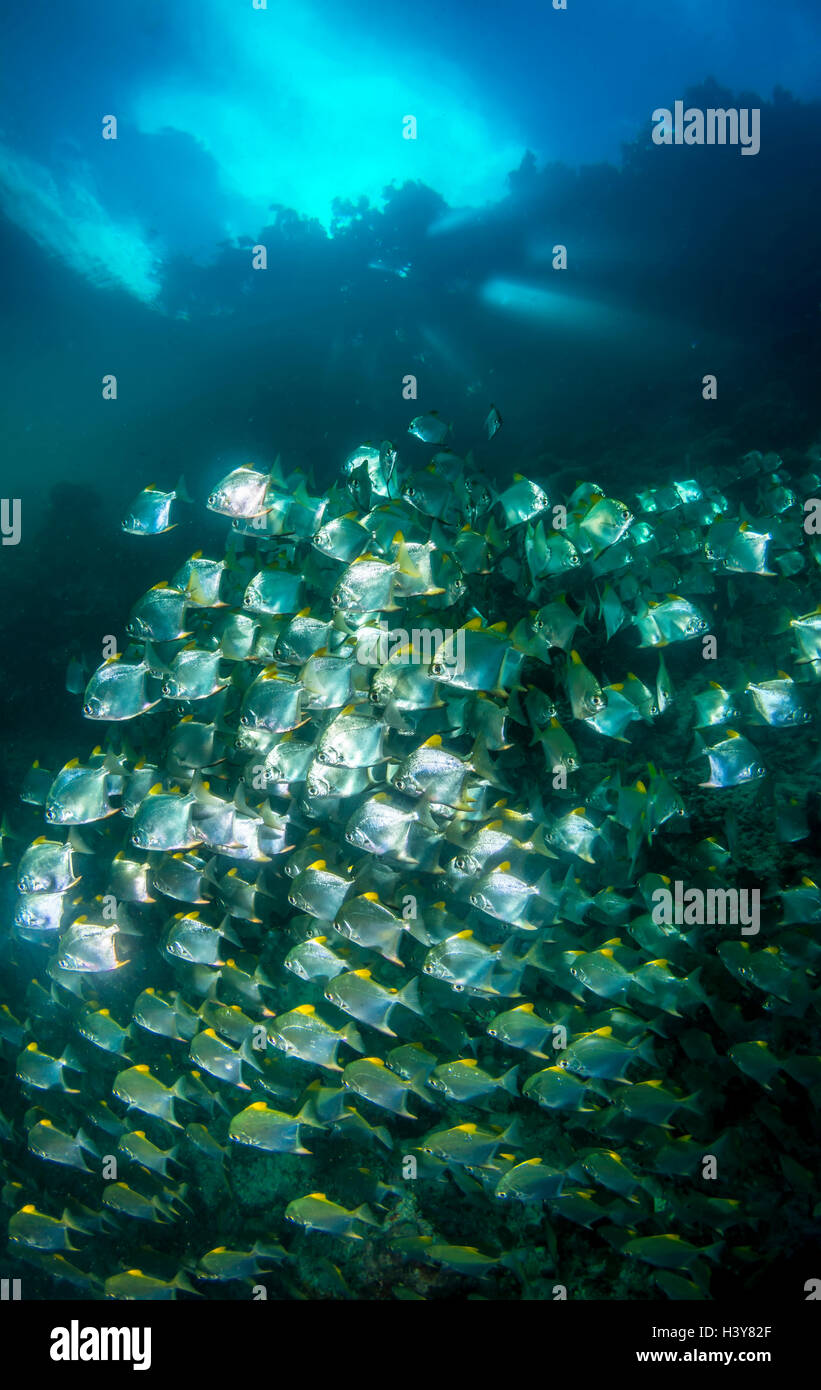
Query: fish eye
<point>574,559</point>
<point>457,989</point>
<point>247,600</point>
<point>428,969</point>
<point>213,500</point>
<point>437,668</point>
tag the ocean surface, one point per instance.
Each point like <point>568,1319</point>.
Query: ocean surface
<point>276,236</point>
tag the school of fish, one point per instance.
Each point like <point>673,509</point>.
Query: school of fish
<point>353,905</point>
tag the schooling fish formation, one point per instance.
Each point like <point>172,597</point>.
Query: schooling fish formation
<point>399,903</point>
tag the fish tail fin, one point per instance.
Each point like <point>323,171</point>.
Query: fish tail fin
<point>510,1080</point>
<point>353,1037</point>
<point>365,1214</point>
<point>514,1133</point>
<point>410,997</point>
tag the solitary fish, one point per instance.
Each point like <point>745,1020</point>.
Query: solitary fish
<point>149,513</point>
